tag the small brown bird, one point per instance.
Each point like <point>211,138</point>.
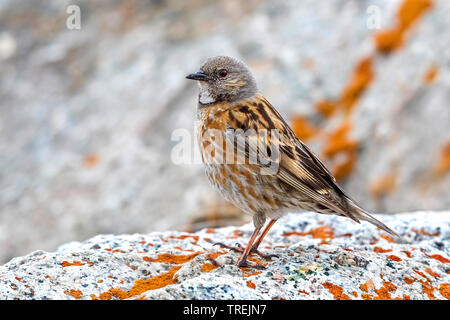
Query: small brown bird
<point>254,158</point>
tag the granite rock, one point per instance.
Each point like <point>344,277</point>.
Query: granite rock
<point>87,114</point>
<point>319,257</point>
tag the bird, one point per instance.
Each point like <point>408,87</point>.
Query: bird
<point>254,159</point>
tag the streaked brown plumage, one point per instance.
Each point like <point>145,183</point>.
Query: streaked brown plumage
<point>234,119</point>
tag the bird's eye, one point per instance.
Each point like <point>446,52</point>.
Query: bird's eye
<point>223,73</point>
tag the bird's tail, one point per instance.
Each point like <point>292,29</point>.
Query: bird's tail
<point>364,215</point>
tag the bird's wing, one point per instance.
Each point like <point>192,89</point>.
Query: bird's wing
<point>297,164</point>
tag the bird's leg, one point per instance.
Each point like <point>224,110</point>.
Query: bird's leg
<point>243,262</point>
<point>255,246</point>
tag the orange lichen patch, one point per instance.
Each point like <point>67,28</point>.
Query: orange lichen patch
<point>236,234</point>
<point>431,74</point>
<point>343,169</point>
<point>326,108</point>
<point>394,258</point>
<point>409,12</point>
<point>381,250</point>
<point>428,289</point>
<point>251,284</point>
<point>444,289</point>
<point>171,258</point>
<point>303,291</point>
<point>141,286</point>
<point>185,236</point>
<point>253,259</point>
<point>360,80</point>
<point>387,238</point>
<point>409,254</point>
<point>440,258</point>
<point>91,160</point>
<point>435,234</point>
<point>432,273</point>
<point>252,274</point>
<point>347,249</point>
<point>348,234</point>
<point>443,165</point>
<point>18,279</point>
<point>302,128</point>
<point>325,233</point>
<point>409,280</point>
<point>210,230</point>
<point>388,40</point>
<point>355,294</point>
<point>336,291</point>
<point>74,293</point>
<point>383,293</point>
<point>74,263</point>
<point>384,185</point>
<point>339,141</point>
<point>208,267</point>
<point>367,285</point>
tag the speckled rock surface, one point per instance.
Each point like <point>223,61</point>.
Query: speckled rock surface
<point>85,110</point>
<point>320,257</point>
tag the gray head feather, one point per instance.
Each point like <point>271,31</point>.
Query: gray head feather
<point>227,80</point>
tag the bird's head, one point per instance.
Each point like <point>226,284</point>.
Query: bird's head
<point>224,79</point>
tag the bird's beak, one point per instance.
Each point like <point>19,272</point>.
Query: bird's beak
<point>199,75</point>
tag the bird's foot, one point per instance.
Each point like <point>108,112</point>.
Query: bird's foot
<point>239,248</point>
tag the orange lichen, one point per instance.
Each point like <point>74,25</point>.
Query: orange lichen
<point>409,254</point>
<point>172,258</point>
<point>252,274</point>
<point>409,280</point>
<point>325,233</point>
<point>360,80</point>
<point>141,286</point>
<point>435,234</point>
<point>339,141</point>
<point>74,293</point>
<point>185,236</point>
<point>367,285</point>
<point>336,291</point>
<point>303,291</point>
<point>343,169</point>
<point>444,289</point>
<point>427,288</point>
<point>432,273</point>
<point>394,258</point>
<point>440,258</point>
<point>74,263</point>
<point>387,238</point>
<point>388,40</point>
<point>91,160</point>
<point>381,250</point>
<point>431,74</point>
<point>302,128</point>
<point>383,293</point>
<point>326,108</point>
<point>208,267</point>
<point>251,284</point>
<point>409,12</point>
<point>443,165</point>
<point>384,185</point>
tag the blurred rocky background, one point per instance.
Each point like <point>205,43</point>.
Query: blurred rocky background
<point>87,114</point>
